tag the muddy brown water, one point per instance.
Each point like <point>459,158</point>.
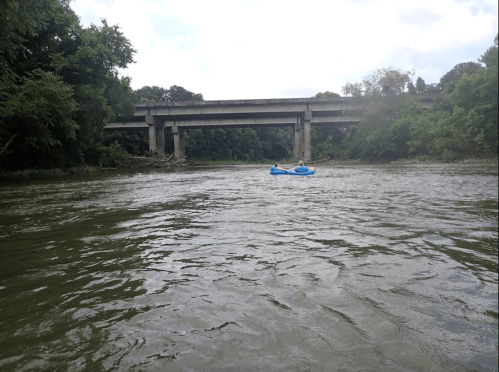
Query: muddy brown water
<point>359,268</point>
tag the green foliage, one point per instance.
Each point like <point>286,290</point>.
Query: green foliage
<point>385,81</point>
<point>463,121</point>
<point>420,85</point>
<point>490,57</point>
<point>411,89</point>
<point>68,73</point>
<point>449,135</point>
<point>239,144</point>
<point>157,94</point>
<point>151,94</point>
<point>177,93</point>
<point>326,140</point>
<point>110,154</point>
<point>449,80</point>
<point>276,142</point>
<point>135,141</point>
<point>326,94</point>
<point>474,93</point>
<point>35,115</point>
<point>19,19</point>
<point>324,150</point>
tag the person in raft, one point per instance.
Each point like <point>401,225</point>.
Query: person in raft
<point>276,167</point>
<point>301,168</point>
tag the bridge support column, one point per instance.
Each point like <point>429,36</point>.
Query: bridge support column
<point>297,141</point>
<point>307,137</point>
<point>152,132</point>
<point>160,138</point>
<point>156,135</point>
<point>178,141</point>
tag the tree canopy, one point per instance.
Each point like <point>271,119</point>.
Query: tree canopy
<point>157,94</point>
<point>384,81</point>
<point>60,83</point>
<point>463,121</point>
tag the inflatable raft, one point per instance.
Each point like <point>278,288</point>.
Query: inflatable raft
<point>307,173</point>
<point>277,172</point>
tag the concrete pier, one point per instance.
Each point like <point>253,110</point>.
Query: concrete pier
<point>156,134</point>
<point>178,141</point>
<point>297,154</point>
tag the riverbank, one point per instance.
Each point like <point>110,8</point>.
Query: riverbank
<point>38,172</point>
<point>467,160</point>
<point>88,169</point>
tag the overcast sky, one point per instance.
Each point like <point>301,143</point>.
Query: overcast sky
<point>251,49</point>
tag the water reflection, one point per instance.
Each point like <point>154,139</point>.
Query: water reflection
<point>386,267</point>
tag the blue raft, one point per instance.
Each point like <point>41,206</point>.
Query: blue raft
<point>307,173</point>
<point>291,172</point>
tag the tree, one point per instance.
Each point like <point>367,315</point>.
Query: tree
<point>378,135</point>
<point>177,93</point>
<point>385,81</point>
<point>474,88</point>
<point>38,111</point>
<point>490,57</point>
<point>151,94</point>
<point>439,134</point>
<point>392,81</point>
<point>432,89</point>
<point>82,62</point>
<point>420,85</point>
<point>448,81</point>
<point>353,89</point>
<point>276,142</point>
<point>19,19</point>
<point>174,94</point>
<point>462,122</point>
<point>411,88</point>
<point>326,94</point>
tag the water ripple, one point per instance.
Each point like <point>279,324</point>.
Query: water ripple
<point>383,267</point>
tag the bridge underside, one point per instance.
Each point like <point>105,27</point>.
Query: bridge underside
<point>302,148</point>
<point>300,114</point>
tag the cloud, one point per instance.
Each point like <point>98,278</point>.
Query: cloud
<point>236,49</point>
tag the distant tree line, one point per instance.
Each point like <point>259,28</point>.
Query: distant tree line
<point>59,86</point>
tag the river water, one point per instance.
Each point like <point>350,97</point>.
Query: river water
<point>359,268</point>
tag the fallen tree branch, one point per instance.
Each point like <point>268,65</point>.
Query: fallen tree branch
<point>151,160</point>
<point>9,142</point>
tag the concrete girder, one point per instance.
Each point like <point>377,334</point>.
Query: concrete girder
<point>225,123</point>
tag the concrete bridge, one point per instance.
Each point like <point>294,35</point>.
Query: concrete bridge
<point>298,113</point>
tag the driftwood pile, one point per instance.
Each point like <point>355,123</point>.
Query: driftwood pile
<point>318,161</point>
<point>151,160</point>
